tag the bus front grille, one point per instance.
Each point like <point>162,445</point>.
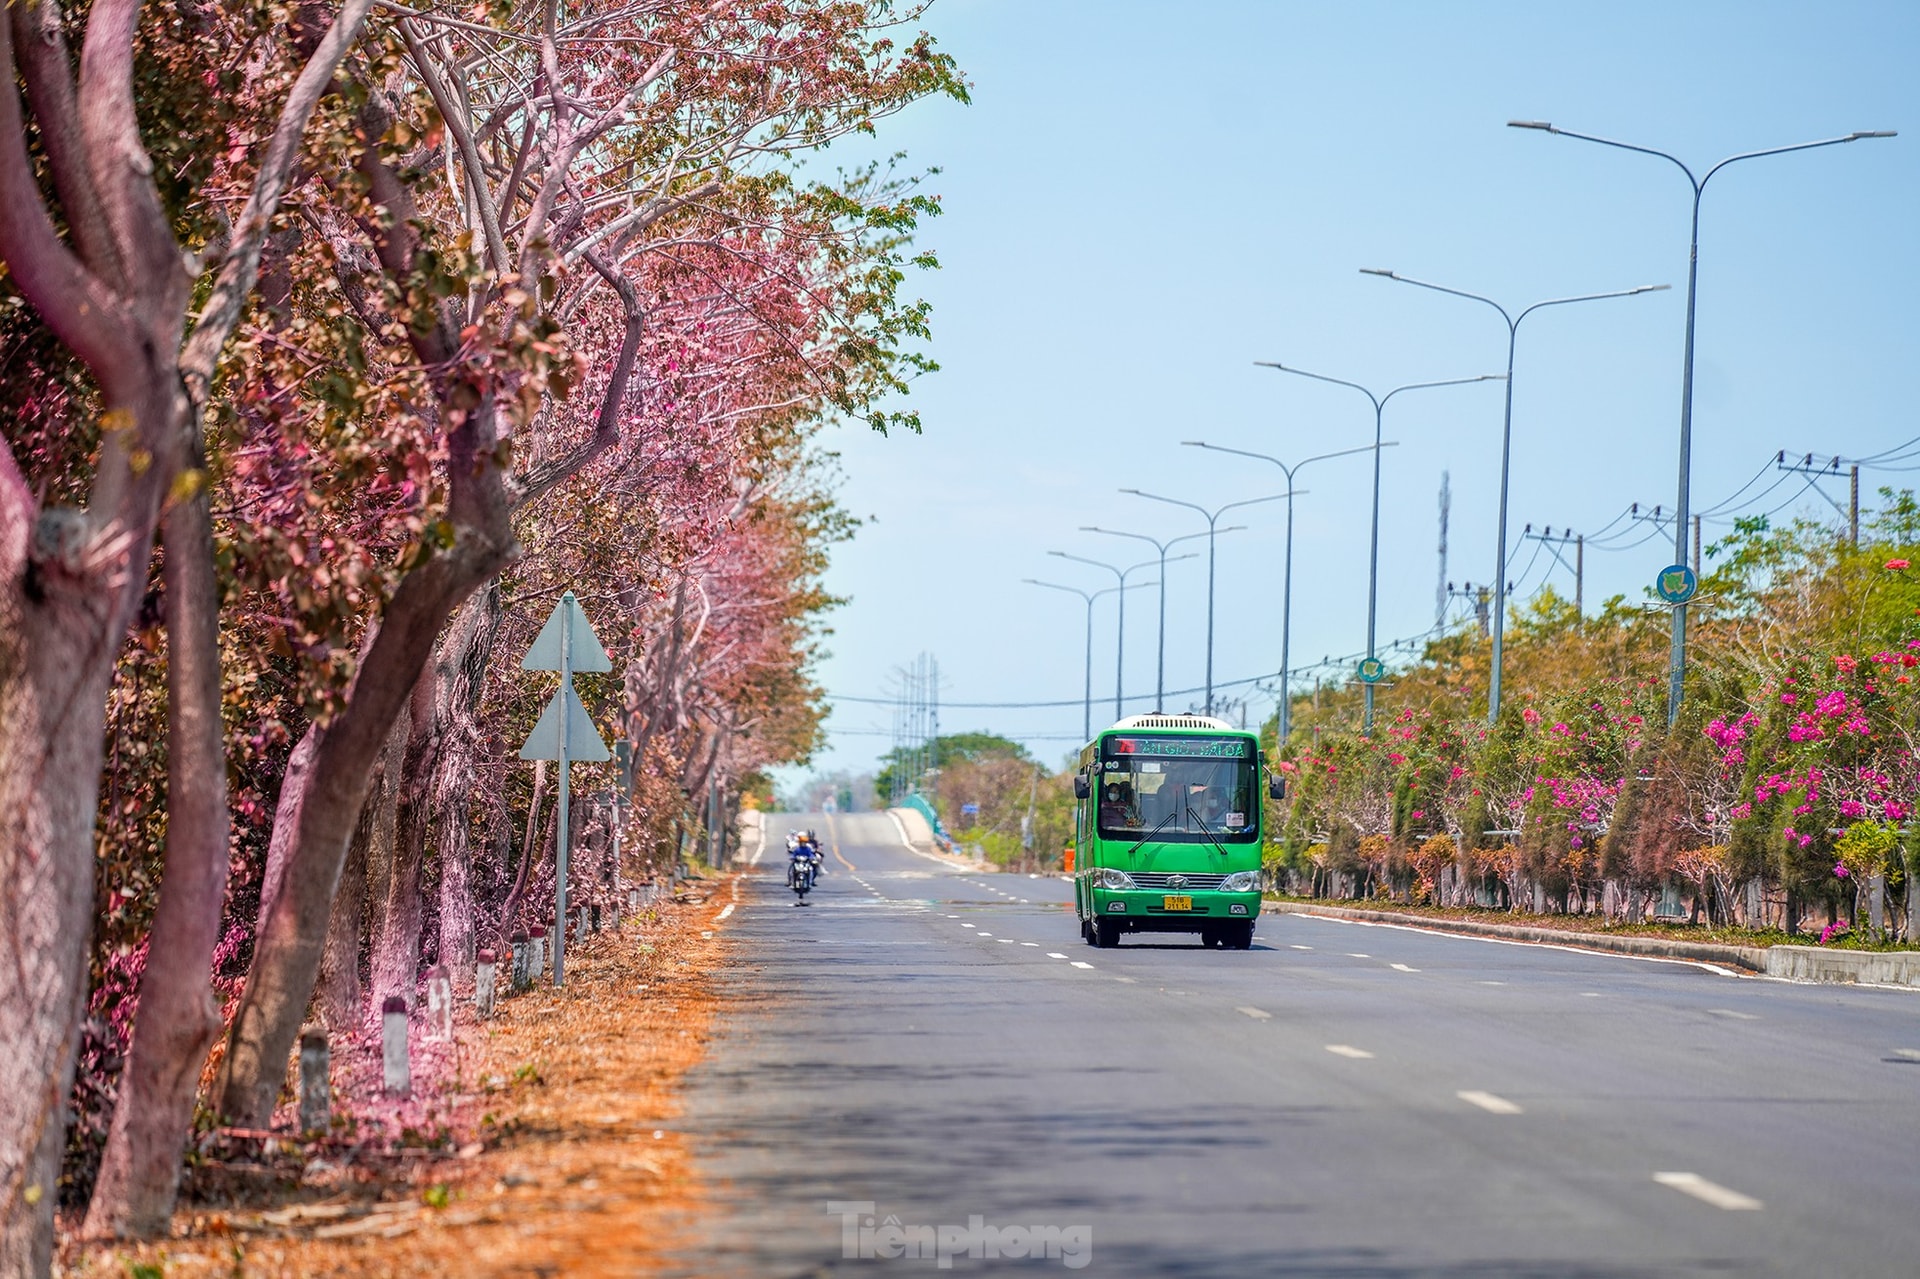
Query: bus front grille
<point>1160,882</point>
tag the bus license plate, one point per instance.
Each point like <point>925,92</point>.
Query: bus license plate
<point>1176,903</point>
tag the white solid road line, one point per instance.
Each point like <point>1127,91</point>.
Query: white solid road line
<point>724,912</point>
<point>1081,963</point>
<point>1348,1050</point>
<point>1258,1014</point>
<point>1488,1102</point>
<point>1403,968</point>
<point>1054,954</point>
<point>1692,1183</point>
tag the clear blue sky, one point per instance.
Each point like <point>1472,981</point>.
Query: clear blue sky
<point>1145,199</point>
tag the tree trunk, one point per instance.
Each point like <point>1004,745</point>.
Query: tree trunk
<point>396,951</point>
<point>178,1017</point>
<point>287,953</point>
<point>340,996</point>
<point>463,667</point>
<point>56,662</point>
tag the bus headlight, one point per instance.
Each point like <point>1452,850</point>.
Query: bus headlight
<point>1108,877</point>
<point>1246,881</point>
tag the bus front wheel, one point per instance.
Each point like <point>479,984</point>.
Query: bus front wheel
<point>1106,934</point>
<point>1239,935</point>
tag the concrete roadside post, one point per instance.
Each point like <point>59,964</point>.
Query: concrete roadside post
<point>483,985</point>
<point>564,733</point>
<point>536,953</point>
<point>522,963</point>
<point>316,1088</point>
<point>396,1072</point>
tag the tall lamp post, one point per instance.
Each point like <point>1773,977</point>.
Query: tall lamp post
<point>1286,589</point>
<point>1677,667</point>
<point>1506,446</point>
<point>1160,668</point>
<point>1213,520</point>
<point>1379,403</point>
<point>1089,596</point>
<point>1120,645</point>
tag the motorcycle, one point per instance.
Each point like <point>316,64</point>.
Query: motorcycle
<point>802,870</point>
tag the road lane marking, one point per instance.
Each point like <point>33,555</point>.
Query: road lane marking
<point>1907,1054</point>
<point>1005,941</point>
<point>1591,994</point>
<point>1488,1102</point>
<point>1493,983</point>
<point>1054,954</point>
<point>1081,963</point>
<point>1403,968</point>
<point>1348,1050</point>
<point>1029,943</point>
<point>724,912</point>
<point>1354,954</point>
<point>969,925</point>
<point>1298,946</point>
<point>1737,1016</point>
<point>1257,1014</point>
<point>1692,1183</point>
<point>983,934</point>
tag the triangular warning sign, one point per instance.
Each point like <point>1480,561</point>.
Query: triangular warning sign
<point>583,739</point>
<point>586,655</point>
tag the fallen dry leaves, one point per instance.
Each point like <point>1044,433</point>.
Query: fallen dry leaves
<point>567,1161</point>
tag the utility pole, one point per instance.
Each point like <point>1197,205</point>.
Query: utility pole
<point>1830,469</point>
<point>1853,507</point>
<point>1578,541</point>
<point>1477,596</point>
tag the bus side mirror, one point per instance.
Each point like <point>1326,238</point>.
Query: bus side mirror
<point>1276,786</point>
<point>1081,786</point>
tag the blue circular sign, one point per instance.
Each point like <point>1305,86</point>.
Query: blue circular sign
<point>1371,670</point>
<point>1676,584</point>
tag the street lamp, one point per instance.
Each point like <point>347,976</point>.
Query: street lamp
<point>1379,403</point>
<point>1120,646</point>
<point>1506,445</point>
<point>1160,677</point>
<point>1212,518</point>
<point>1286,590</point>
<point>1089,597</point>
<point>1677,668</point>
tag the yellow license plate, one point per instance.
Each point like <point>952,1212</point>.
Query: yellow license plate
<point>1176,903</point>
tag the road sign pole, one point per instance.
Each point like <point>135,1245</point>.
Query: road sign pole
<point>560,834</point>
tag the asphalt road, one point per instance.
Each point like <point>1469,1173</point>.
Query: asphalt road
<point>1342,1100</point>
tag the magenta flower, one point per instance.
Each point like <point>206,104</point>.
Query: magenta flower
<point>1840,870</point>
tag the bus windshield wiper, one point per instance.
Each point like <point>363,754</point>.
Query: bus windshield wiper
<point>1195,817</point>
<point>1155,831</point>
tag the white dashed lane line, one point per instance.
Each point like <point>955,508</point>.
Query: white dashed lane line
<point>1029,943</point>
<point>1488,1102</point>
<point>1081,963</point>
<point>1298,946</point>
<point>1354,954</point>
<point>1692,1183</point>
<point>1403,968</point>
<point>1348,1050</point>
<point>1054,954</point>
<point>1737,1016</point>
<point>1256,1013</point>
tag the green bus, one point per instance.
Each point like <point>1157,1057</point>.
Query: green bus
<point>1168,821</point>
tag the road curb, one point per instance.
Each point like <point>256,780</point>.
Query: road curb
<point>1753,959</point>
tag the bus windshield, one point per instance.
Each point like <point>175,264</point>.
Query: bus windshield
<point>1178,789</point>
